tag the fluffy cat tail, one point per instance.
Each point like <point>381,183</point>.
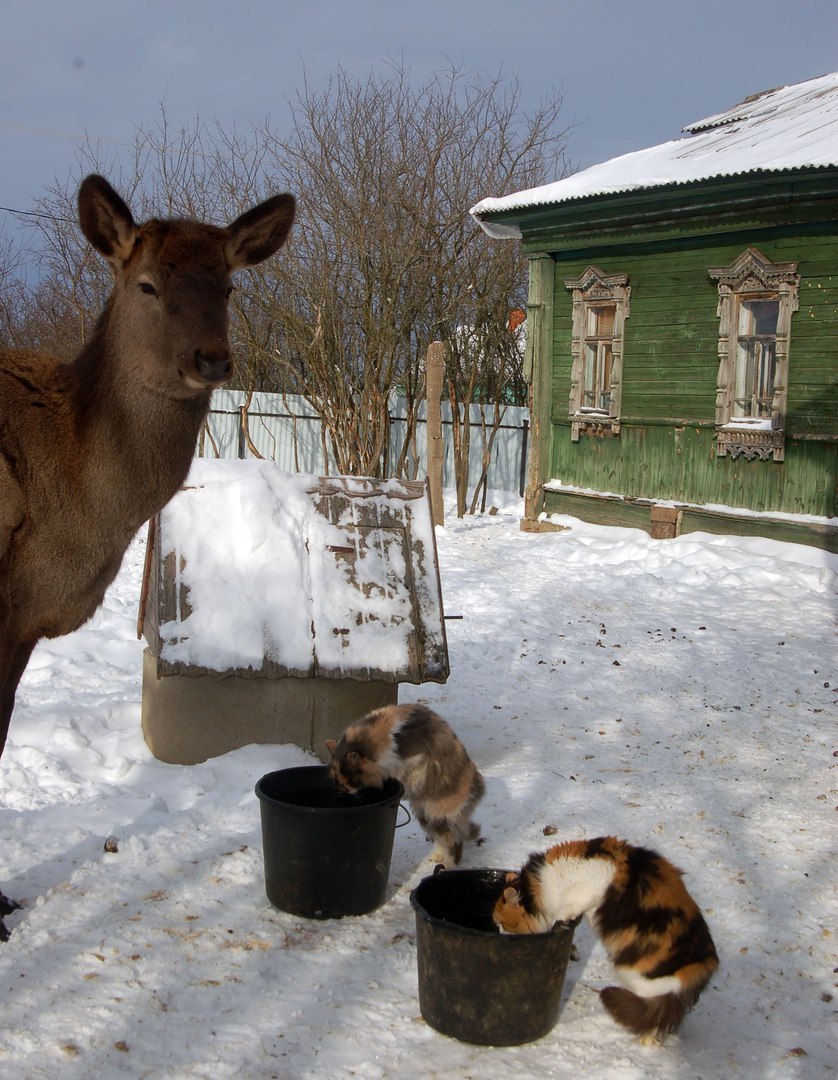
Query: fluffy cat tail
<point>654,1016</point>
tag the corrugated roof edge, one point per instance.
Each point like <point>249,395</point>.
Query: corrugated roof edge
<point>603,181</point>
<point>500,230</point>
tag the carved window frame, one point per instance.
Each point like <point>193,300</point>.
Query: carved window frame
<point>752,276</point>
<point>592,288</point>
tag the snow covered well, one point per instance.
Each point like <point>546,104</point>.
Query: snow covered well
<point>278,607</point>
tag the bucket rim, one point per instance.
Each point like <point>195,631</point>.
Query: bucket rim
<point>386,801</point>
<point>470,931</point>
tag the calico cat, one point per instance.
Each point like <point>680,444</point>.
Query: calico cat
<point>413,744</point>
<point>636,901</point>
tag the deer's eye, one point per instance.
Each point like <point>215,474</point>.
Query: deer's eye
<point>148,288</point>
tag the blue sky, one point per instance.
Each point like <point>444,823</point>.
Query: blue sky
<point>632,74</point>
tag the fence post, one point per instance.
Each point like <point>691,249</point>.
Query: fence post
<point>433,371</point>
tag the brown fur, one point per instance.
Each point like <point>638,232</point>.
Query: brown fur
<point>511,915</point>
<point>650,1018</point>
<point>637,902</point>
<point>89,450</point>
<point>415,745</point>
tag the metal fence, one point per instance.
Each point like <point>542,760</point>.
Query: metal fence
<point>286,429</point>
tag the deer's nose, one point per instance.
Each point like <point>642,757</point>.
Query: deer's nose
<point>213,365</point>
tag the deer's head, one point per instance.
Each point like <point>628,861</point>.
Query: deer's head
<point>172,281</point>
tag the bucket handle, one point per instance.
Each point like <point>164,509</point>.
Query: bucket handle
<point>400,824</point>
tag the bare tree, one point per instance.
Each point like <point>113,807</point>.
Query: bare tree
<point>13,295</point>
<point>386,258</point>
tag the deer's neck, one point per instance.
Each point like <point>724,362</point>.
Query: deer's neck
<point>135,443</point>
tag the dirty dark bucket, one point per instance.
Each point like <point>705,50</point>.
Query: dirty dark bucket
<point>327,854</point>
<point>475,983</point>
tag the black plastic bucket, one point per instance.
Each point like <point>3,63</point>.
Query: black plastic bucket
<point>477,984</point>
<point>327,854</point>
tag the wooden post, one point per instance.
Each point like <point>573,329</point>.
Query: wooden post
<point>433,371</point>
<point>538,370</point>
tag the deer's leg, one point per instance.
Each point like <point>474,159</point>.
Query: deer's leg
<point>13,666</point>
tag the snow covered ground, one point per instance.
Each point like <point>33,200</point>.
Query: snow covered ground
<point>679,693</point>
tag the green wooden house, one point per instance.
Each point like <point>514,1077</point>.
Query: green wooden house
<point>682,327</point>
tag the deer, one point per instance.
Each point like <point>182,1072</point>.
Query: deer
<point>92,448</point>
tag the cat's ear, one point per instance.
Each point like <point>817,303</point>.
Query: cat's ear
<point>353,757</point>
<point>510,896</point>
<point>512,875</point>
<point>330,745</point>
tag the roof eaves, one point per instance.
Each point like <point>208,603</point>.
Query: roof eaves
<point>503,224</point>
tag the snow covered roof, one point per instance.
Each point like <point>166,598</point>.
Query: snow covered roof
<point>257,570</point>
<point>791,127</point>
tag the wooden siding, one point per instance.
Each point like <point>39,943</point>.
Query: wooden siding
<point>672,462</point>
<point>666,449</point>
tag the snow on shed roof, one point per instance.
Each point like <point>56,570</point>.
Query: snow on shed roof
<point>257,570</point>
<point>790,127</point>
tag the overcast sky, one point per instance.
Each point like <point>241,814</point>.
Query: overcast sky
<point>632,74</point>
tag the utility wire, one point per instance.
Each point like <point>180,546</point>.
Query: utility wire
<point>34,213</point>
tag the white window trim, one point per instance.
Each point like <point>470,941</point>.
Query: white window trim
<point>596,285</point>
<point>752,274</point>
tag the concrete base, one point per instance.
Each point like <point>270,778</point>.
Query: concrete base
<point>189,718</point>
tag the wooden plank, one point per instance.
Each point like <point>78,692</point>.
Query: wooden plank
<point>812,534</point>
<point>605,510</point>
<point>539,369</point>
<point>434,366</point>
<point>599,510</point>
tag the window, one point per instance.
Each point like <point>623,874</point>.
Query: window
<point>756,301</point>
<point>599,354</point>
<point>756,359</point>
<point>600,308</point>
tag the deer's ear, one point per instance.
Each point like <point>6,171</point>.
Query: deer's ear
<point>259,232</point>
<point>105,220</point>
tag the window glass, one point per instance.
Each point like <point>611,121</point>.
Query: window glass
<point>756,362</point>
<point>596,393</point>
<point>758,317</point>
<point>598,351</point>
<point>601,320</point>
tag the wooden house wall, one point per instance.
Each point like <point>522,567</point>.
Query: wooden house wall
<point>666,448</point>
